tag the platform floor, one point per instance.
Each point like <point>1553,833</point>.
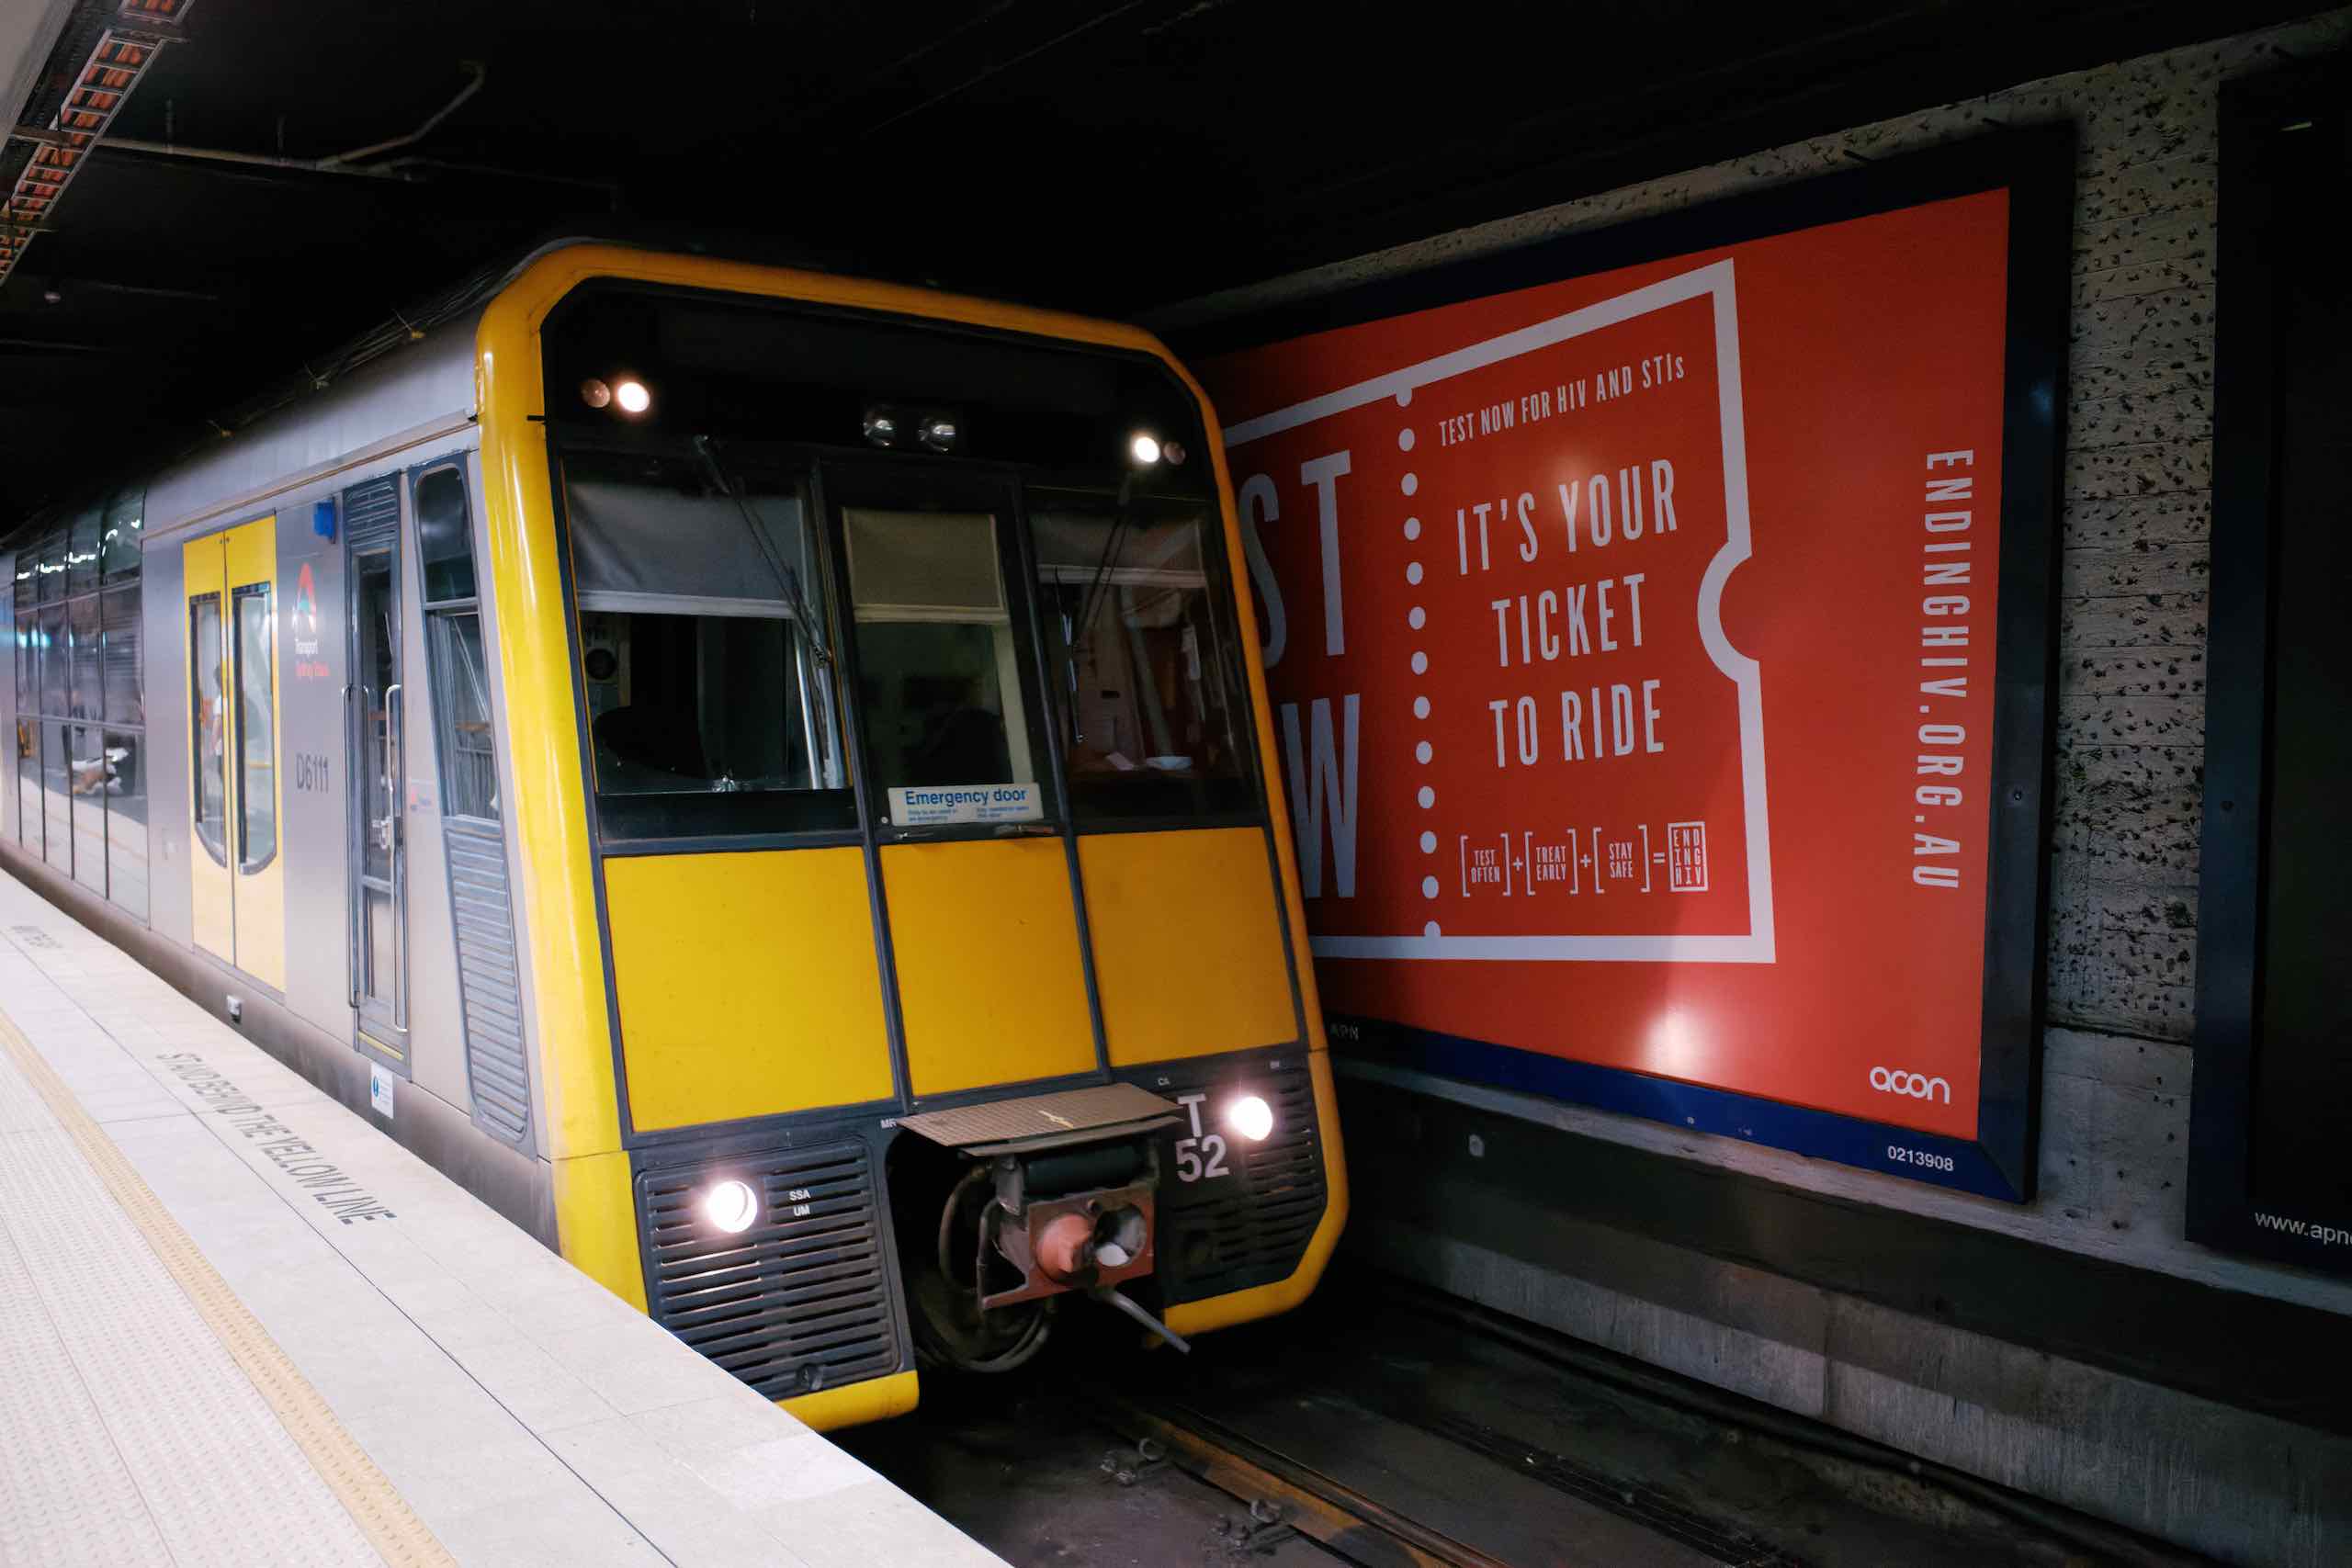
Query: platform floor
<point>238,1326</point>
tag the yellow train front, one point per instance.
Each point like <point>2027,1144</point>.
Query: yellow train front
<point>765,778</point>
<point>902,870</point>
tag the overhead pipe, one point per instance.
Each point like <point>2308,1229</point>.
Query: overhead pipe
<point>476,73</point>
<point>410,169</point>
<point>340,163</point>
<point>258,160</point>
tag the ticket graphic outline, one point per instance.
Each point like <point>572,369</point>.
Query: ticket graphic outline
<point>1715,283</point>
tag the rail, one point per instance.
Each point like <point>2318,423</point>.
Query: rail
<point>1283,1495</point>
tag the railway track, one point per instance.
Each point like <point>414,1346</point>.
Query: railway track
<point>1414,1431</point>
<point>1284,1498</point>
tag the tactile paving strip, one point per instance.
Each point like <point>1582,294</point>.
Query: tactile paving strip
<point>64,1495</point>
<point>235,1458</point>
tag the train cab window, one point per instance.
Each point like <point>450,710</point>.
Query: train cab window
<point>1148,680</point>
<point>705,653</point>
<point>938,667</point>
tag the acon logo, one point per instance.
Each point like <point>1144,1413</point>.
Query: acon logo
<point>1918,1086</point>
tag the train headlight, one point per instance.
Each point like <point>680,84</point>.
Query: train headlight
<point>1250,1116</point>
<point>730,1205</point>
<point>1144,447</point>
<point>939,433</point>
<point>631,396</point>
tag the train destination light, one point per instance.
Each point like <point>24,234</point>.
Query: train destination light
<point>1250,1116</point>
<point>731,1206</point>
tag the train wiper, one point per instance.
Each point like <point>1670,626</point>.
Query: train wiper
<point>811,628</point>
<point>1097,588</point>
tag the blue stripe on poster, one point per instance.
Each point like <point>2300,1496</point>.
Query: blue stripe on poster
<point>1821,1134</point>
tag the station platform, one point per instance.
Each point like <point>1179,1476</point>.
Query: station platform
<point>239,1325</point>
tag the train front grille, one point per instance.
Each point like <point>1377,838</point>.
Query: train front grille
<point>799,1301</point>
<point>1220,1236</point>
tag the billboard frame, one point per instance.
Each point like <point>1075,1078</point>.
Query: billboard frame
<point>2249,513</point>
<point>2036,166</point>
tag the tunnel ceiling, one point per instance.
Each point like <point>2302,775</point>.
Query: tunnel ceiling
<point>1106,157</point>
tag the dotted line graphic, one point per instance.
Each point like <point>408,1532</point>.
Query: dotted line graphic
<point>1416,619</point>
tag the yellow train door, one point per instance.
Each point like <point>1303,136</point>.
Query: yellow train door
<point>237,875</point>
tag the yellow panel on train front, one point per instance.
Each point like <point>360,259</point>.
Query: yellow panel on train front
<point>748,984</point>
<point>1188,953</point>
<point>990,985</point>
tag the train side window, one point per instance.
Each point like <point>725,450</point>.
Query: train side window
<point>1147,679</point>
<point>209,728</point>
<point>461,698</point>
<point>705,647</point>
<point>27,756</point>
<point>83,695</point>
<point>48,569</point>
<point>461,706</point>
<point>256,678</point>
<point>81,711</point>
<point>445,541</point>
<point>118,537</point>
<point>82,551</point>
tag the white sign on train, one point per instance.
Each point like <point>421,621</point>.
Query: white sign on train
<point>931,805</point>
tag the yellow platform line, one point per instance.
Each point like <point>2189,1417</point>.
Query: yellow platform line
<point>382,1513</point>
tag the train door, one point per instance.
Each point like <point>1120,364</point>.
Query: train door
<point>373,705</point>
<point>238,878</point>
<point>975,853</point>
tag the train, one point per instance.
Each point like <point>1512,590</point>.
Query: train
<point>761,776</point>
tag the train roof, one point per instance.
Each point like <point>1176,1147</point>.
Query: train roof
<point>397,383</point>
<point>420,389</point>
<point>409,379</point>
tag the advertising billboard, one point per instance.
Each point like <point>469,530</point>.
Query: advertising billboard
<point>2267,1172</point>
<point>1658,629</point>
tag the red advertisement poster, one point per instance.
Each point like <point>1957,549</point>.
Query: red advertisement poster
<point>1633,644</point>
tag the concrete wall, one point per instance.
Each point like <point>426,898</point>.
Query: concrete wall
<point>2121,959</point>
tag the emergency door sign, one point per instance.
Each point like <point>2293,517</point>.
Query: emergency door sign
<point>1633,643</point>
